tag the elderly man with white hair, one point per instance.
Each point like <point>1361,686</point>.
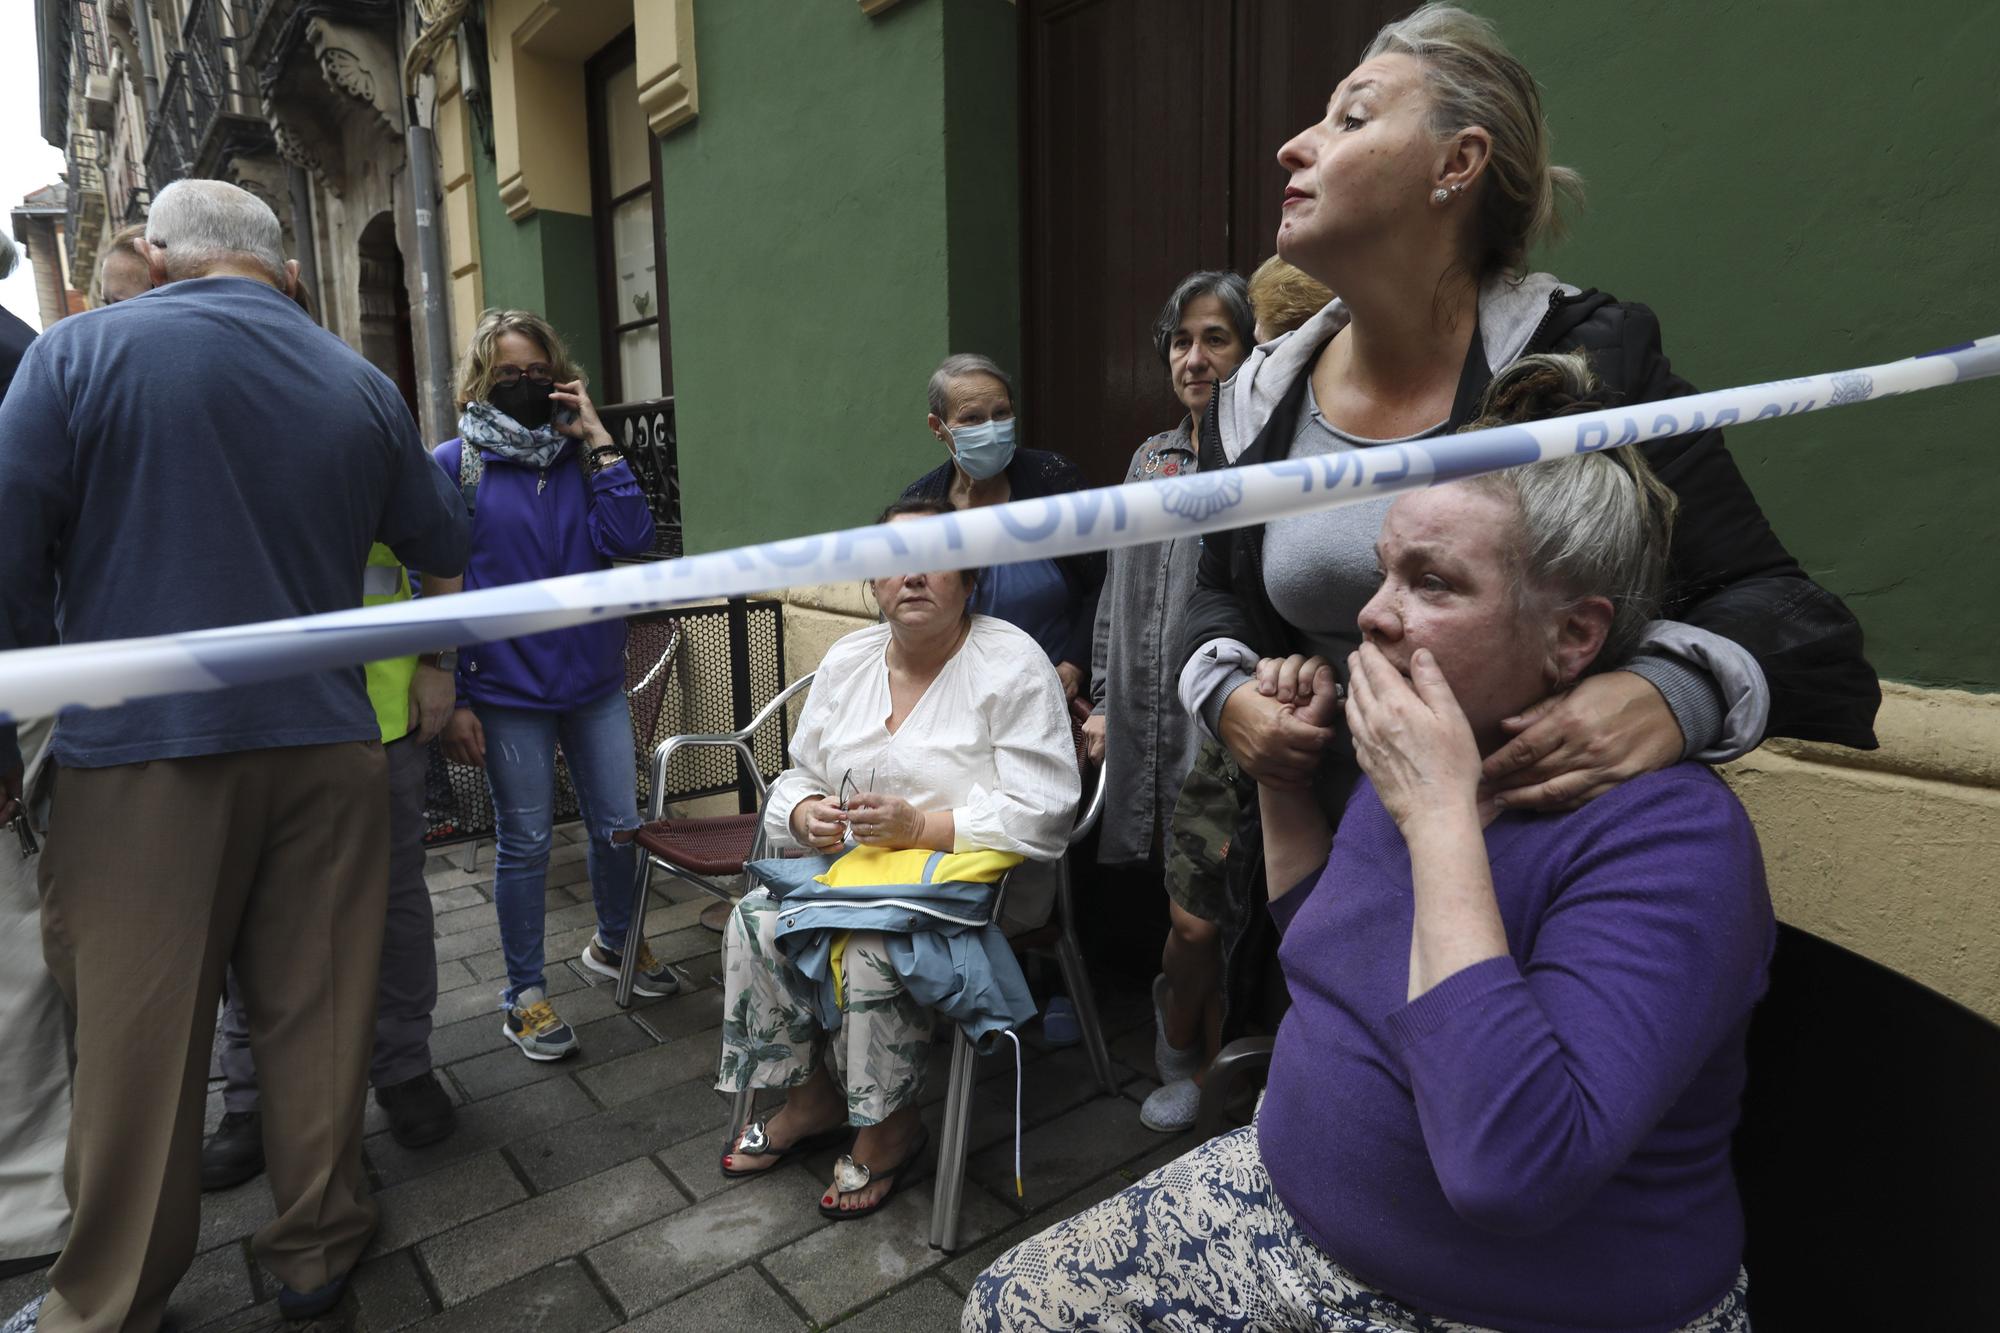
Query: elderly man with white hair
<point>204,455</point>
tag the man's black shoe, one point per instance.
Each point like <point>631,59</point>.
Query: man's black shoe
<point>419,1111</point>
<point>298,1305</point>
<point>235,1152</point>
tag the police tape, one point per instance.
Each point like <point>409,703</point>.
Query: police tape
<point>38,681</point>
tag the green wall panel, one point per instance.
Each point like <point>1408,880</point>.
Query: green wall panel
<point>815,275</point>
<point>1797,187</point>
<point>544,262</point>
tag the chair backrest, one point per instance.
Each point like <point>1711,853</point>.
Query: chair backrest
<point>1869,1147</point>
<point>651,650</point>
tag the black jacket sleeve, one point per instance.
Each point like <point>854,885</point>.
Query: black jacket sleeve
<point>1728,572</point>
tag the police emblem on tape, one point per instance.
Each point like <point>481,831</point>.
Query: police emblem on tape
<point>1201,496</point>
<point>1850,387</point>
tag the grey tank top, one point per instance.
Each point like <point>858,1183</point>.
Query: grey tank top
<point>1319,569</point>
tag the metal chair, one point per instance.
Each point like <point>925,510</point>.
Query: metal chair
<point>952,1137</point>
<point>694,850</point>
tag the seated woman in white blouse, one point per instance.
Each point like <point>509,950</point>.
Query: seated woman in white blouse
<point>938,729</point>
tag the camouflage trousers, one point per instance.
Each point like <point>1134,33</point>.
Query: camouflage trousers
<point>771,1037</point>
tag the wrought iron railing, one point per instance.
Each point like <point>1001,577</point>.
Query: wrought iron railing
<point>699,669</point>
<point>205,81</point>
<point>646,432</point>
<point>170,138</point>
<point>86,187</point>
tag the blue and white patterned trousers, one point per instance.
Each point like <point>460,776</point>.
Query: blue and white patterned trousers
<point>1204,1244</point>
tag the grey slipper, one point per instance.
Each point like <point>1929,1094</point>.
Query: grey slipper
<point>1172,1063</point>
<point>1172,1108</point>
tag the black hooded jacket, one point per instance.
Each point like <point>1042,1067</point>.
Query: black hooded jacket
<point>1728,572</point>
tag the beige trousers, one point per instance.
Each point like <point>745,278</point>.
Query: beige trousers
<point>156,877</point>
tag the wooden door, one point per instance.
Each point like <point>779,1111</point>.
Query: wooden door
<point>1150,132</point>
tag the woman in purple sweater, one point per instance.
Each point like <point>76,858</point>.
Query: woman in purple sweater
<point>550,494</point>
<point>1504,1094</point>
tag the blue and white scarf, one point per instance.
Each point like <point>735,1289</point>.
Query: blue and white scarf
<point>486,426</point>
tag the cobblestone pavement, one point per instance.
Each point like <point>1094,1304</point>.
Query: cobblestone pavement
<point>584,1195</point>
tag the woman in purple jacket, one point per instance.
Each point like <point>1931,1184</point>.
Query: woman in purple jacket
<point>551,494</point>
<point>1504,1094</point>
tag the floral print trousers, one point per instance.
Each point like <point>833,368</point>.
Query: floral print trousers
<point>771,1039</point>
<point>1204,1243</point>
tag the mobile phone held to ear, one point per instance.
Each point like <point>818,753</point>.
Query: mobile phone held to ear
<point>564,416</point>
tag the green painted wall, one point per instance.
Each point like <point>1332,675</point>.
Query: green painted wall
<point>544,263</point>
<point>823,254</point>
<point>1797,187</point>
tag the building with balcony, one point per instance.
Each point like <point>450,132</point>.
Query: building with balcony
<point>760,223</point>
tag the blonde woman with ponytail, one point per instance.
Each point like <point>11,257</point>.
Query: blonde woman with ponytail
<point>1417,199</point>
<point>1505,1092</point>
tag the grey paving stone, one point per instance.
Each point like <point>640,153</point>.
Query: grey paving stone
<point>457,920</point>
<point>654,1069</point>
<point>492,966</point>
<point>230,1215</point>
<point>455,975</point>
<point>692,1011</point>
<point>473,1001</point>
<point>666,1258</point>
<point>468,1037</point>
<point>482,1125</point>
<point>574,873</point>
<point>973,1261</point>
<point>468,942</point>
<point>389,1294</point>
<point>444,1198</point>
<point>645,1125</point>
<point>504,1070</point>
<point>743,1302</point>
<point>215,1284</point>
<point>568,852</point>
<point>1062,1155</point>
<point>484,1254</point>
<point>927,1307</point>
<point>842,1266</point>
<point>463,895</point>
<point>558,1299</point>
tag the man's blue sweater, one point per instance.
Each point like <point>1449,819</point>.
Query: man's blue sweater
<point>206,455</point>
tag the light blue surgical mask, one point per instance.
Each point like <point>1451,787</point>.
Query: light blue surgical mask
<point>984,450</point>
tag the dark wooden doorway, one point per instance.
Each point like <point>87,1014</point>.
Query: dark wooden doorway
<point>1150,132</point>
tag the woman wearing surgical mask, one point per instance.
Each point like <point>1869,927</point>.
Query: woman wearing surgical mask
<point>550,494</point>
<point>1055,601</point>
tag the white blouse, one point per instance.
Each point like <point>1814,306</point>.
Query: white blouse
<point>989,741</point>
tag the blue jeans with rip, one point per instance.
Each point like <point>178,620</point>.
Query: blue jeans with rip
<point>521,743</point>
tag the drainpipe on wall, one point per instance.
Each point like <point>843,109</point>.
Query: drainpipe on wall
<point>149,83</point>
<point>431,273</point>
<point>305,239</point>
<point>425,199</point>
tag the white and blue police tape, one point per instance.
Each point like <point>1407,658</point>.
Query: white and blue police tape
<point>39,681</point>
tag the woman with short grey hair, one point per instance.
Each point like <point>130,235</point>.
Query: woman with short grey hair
<point>971,413</point>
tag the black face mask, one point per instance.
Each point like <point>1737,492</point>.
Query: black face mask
<point>524,400</point>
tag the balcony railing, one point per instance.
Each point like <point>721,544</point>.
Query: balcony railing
<point>205,82</point>
<point>645,430</point>
<point>85,217</point>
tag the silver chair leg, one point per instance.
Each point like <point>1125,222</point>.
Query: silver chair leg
<point>1069,953</point>
<point>628,963</point>
<point>740,1117</point>
<point>952,1143</point>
